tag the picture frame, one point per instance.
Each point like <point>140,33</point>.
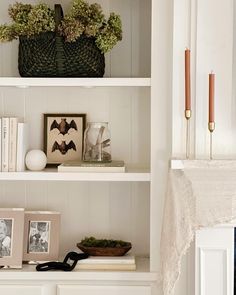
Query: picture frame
<point>41,236</point>
<point>63,137</point>
<point>11,237</point>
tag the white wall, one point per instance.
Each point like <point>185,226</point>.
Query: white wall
<point>211,43</point>
<point>207,28</point>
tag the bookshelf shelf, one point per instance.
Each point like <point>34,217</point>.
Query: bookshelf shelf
<point>142,273</point>
<point>74,82</point>
<point>49,174</point>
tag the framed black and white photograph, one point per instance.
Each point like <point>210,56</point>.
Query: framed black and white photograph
<point>6,228</point>
<point>63,137</point>
<point>11,237</point>
<point>41,236</point>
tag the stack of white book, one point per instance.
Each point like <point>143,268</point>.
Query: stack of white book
<point>13,145</point>
<point>126,262</point>
<point>80,166</point>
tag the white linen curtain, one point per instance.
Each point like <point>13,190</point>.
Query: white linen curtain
<point>203,194</point>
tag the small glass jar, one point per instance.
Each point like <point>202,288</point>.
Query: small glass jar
<point>97,143</point>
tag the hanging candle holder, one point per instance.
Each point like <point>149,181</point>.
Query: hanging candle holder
<point>188,111</point>
<point>211,121</point>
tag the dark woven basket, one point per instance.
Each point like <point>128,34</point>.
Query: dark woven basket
<point>48,55</point>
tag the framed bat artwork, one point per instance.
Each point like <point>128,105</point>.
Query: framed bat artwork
<point>63,137</point>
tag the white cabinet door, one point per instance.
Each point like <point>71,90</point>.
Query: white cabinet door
<point>103,290</point>
<point>19,289</point>
<point>214,261</point>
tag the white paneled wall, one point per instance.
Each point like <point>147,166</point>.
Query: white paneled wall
<point>212,49</point>
<point>207,27</point>
<point>215,53</point>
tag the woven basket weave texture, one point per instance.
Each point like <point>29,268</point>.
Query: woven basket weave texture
<point>48,55</point>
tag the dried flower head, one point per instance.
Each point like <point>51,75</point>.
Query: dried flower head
<point>82,19</point>
<point>7,33</point>
<point>95,20</point>
<point>71,29</point>
<point>115,25</point>
<point>19,12</point>
<point>110,34</point>
<point>28,20</point>
<point>106,32</point>
<point>79,10</point>
<point>40,19</point>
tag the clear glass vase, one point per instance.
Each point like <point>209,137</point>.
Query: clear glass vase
<point>97,143</point>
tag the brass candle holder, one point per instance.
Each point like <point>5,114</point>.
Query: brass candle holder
<point>188,114</point>
<point>211,128</point>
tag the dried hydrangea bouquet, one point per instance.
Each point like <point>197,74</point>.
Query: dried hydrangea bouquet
<point>85,23</point>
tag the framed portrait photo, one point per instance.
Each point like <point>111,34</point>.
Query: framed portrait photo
<point>41,236</point>
<point>11,237</point>
<point>63,137</point>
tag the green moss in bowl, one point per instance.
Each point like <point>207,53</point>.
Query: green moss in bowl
<point>104,247</point>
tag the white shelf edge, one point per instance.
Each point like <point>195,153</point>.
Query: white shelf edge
<point>134,175</point>
<point>28,272</point>
<point>76,82</point>
<point>176,164</point>
<point>180,164</point>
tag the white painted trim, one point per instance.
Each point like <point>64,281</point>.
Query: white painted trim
<point>76,82</point>
<point>202,253</point>
<point>176,164</point>
<point>53,175</point>
<point>161,118</point>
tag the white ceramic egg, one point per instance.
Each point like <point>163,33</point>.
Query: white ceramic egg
<point>36,160</point>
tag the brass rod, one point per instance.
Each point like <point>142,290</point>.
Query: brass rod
<point>211,128</point>
<point>187,139</point>
<point>188,114</point>
<point>211,157</point>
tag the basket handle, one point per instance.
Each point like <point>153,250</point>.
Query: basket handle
<point>58,15</point>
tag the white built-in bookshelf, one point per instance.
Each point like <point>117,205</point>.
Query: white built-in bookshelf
<point>113,205</point>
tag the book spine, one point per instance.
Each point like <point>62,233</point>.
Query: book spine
<point>22,146</point>
<point>109,164</point>
<point>107,262</point>
<point>13,144</point>
<point>106,266</point>
<point>5,144</point>
<point>126,259</point>
<point>62,168</point>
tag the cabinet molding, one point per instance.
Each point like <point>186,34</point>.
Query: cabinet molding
<point>103,290</point>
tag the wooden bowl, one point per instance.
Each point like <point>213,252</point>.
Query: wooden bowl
<point>104,251</point>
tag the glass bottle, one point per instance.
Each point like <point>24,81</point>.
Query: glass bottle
<point>97,143</point>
